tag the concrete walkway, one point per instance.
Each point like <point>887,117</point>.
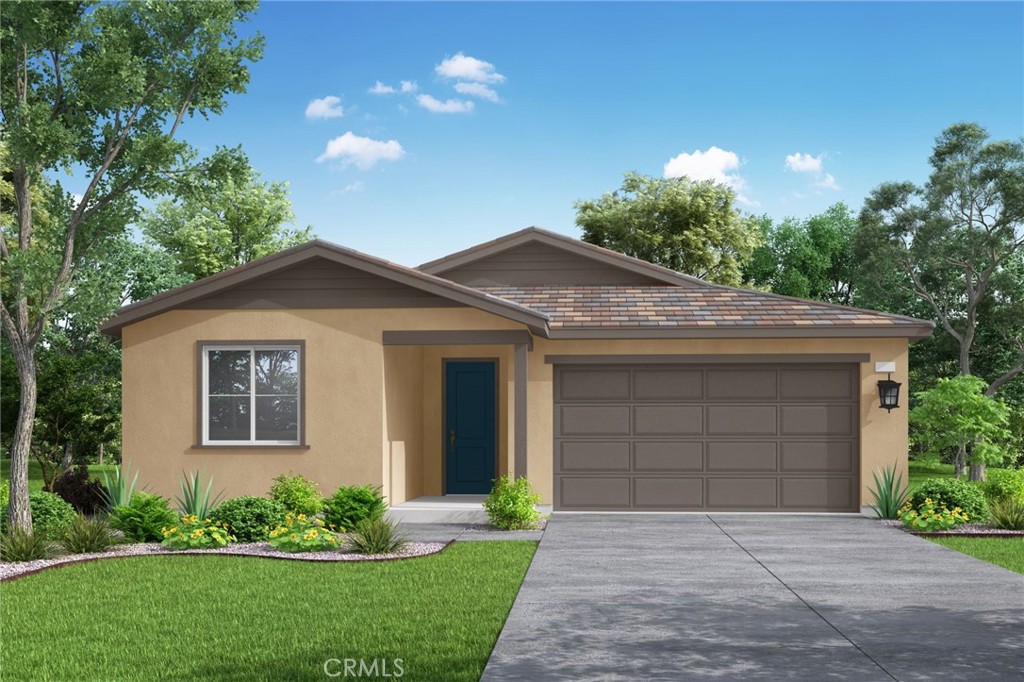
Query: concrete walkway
<point>756,597</point>
<point>453,517</point>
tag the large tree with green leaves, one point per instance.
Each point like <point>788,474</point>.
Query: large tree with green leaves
<point>99,89</point>
<point>692,227</point>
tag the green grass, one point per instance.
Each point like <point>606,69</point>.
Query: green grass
<point>919,471</point>
<point>234,618</point>
<point>35,473</point>
<point>1005,552</point>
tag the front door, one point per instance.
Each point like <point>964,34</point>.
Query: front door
<point>469,433</point>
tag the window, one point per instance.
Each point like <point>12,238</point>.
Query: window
<point>251,395</point>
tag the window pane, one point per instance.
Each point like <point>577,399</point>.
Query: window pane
<point>277,419</point>
<point>230,419</point>
<point>229,372</point>
<point>277,372</point>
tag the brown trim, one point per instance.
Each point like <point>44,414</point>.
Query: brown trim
<point>803,332</point>
<point>202,344</point>
<point>444,415</point>
<point>175,298</point>
<point>519,382</point>
<point>724,358</point>
<point>464,337</point>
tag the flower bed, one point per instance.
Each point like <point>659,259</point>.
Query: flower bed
<point>964,530</point>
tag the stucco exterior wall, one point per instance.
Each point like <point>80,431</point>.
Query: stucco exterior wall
<point>403,423</point>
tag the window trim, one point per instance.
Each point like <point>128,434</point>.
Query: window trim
<point>202,396</point>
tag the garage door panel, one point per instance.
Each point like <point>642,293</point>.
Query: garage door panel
<point>668,456</point>
<point>667,420</point>
<point>742,456</point>
<point>673,384</point>
<point>816,384</point>
<point>598,456</point>
<point>593,384</point>
<point>595,420</point>
<point>741,384</point>
<point>817,456</point>
<point>741,493</point>
<point>814,420</point>
<point>668,493</point>
<point>594,492</point>
<point>746,420</point>
<point>817,493</point>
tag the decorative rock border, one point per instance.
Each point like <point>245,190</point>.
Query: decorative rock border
<point>967,530</point>
<point>12,571</point>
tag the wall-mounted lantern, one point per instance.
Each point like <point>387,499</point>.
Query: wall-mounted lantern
<point>888,390</point>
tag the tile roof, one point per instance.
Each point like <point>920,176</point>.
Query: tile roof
<point>615,306</point>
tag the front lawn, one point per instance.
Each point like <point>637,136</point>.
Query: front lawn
<point>233,618</point>
<point>1005,552</point>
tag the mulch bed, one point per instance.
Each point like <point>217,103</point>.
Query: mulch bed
<point>967,530</point>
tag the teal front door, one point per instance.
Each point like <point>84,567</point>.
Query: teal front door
<point>470,434</point>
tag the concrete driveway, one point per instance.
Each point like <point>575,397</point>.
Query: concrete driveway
<point>756,597</point>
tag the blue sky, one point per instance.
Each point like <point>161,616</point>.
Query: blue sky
<point>852,94</point>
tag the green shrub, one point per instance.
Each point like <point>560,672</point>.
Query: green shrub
<point>5,497</point>
<point>889,493</point>
<point>51,515</point>
<point>117,489</point>
<point>1007,514</point>
<point>191,532</point>
<point>298,494</point>
<point>300,533</point>
<point>952,493</point>
<point>194,500</point>
<point>87,534</point>
<point>79,490</point>
<point>144,518</point>
<point>931,516</point>
<point>1003,485</point>
<point>510,504</point>
<point>350,505</point>
<point>250,518</point>
<point>377,536</point>
<point>20,545</point>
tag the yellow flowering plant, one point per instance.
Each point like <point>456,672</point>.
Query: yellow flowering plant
<point>191,532</point>
<point>300,533</point>
<point>929,516</point>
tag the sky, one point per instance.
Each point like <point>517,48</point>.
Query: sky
<point>411,130</point>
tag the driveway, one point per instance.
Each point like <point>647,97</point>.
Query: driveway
<point>756,597</point>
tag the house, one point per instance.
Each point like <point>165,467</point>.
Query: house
<point>611,383</point>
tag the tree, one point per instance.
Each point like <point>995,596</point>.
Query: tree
<point>221,220</point>
<point>688,226</point>
<point>956,413</point>
<point>102,88</point>
<point>810,258</point>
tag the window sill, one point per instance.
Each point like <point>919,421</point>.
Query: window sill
<point>250,447</point>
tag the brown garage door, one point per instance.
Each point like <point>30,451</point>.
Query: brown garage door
<point>729,437</point>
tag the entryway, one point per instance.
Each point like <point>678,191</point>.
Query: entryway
<point>470,432</point>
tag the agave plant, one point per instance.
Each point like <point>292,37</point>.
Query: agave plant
<point>889,493</point>
<point>117,490</point>
<point>194,500</point>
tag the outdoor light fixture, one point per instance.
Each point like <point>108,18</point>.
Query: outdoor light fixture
<point>888,390</point>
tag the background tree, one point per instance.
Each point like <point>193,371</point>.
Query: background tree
<point>223,219</point>
<point>101,88</point>
<point>692,227</point>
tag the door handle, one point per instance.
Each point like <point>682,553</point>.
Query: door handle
<point>451,439</point>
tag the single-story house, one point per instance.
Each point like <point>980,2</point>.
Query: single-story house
<point>611,383</point>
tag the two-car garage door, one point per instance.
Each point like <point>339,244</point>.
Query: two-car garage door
<point>727,437</point>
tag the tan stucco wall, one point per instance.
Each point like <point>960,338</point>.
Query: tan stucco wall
<point>403,422</point>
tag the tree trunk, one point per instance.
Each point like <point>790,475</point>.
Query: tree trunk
<point>19,516</point>
<point>101,453</point>
<point>977,472</point>
<point>68,458</point>
<point>958,462</point>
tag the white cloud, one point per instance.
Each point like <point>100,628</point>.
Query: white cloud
<point>477,90</point>
<point>409,86</point>
<point>325,107</point>
<point>362,152</point>
<point>804,163</point>
<point>381,89</point>
<point>827,182</point>
<point>357,186</point>
<point>468,69</point>
<point>712,164</point>
<point>451,106</point>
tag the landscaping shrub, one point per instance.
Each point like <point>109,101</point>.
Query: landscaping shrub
<point>300,533</point>
<point>350,505</point>
<point>889,493</point>
<point>1003,485</point>
<point>88,534</point>
<point>5,497</point>
<point>952,493</point>
<point>144,518</point>
<point>377,536</point>
<point>250,518</point>
<point>298,494</point>
<point>194,500</point>
<point>117,489</point>
<point>931,516</point>
<point>51,515</point>
<point>1007,514</point>
<point>81,492</point>
<point>195,533</point>
<point>510,504</point>
<point>19,545</point>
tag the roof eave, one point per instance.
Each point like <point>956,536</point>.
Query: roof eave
<point>910,332</point>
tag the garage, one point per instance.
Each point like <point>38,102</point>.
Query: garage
<point>730,437</point>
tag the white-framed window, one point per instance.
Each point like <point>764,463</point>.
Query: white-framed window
<point>252,394</point>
